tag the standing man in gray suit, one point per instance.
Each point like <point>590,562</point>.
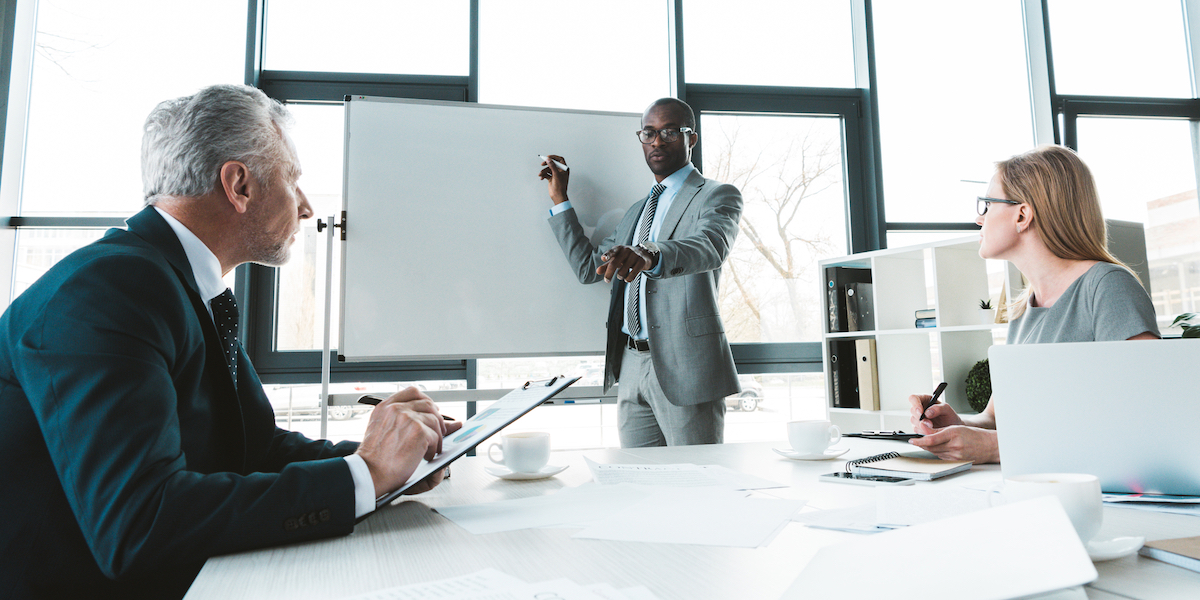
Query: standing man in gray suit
<point>666,342</point>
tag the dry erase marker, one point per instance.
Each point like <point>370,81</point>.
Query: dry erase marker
<point>561,167</point>
<point>933,400</point>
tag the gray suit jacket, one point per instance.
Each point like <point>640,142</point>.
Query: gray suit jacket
<point>687,339</point>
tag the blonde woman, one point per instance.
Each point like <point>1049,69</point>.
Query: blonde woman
<point>1042,214</point>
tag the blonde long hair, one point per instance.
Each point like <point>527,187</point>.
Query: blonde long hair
<point>1058,187</point>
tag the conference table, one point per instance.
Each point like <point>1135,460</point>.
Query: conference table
<point>408,542</point>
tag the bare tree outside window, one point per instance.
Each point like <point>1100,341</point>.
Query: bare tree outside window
<point>789,169</point>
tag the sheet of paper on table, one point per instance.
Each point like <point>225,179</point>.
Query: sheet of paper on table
<point>491,584</point>
<point>1016,550</point>
<point>567,506</point>
<point>913,505</point>
<point>677,475</point>
<point>855,519</point>
<point>705,516</point>
<point>688,515</point>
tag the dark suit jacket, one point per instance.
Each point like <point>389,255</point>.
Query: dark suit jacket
<point>688,346</point>
<point>129,457</point>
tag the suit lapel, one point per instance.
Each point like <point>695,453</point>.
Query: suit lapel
<point>691,187</point>
<point>150,226</point>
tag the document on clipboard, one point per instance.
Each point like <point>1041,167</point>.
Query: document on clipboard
<point>482,426</point>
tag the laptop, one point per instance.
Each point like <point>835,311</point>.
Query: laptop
<point>1127,412</point>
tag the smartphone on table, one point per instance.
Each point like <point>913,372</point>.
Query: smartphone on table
<point>844,477</point>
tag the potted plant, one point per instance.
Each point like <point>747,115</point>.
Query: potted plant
<point>979,386</point>
<point>1190,330</point>
<point>987,315</point>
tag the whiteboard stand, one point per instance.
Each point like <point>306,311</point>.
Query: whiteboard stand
<point>321,226</point>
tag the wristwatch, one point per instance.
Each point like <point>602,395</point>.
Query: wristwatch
<point>652,249</point>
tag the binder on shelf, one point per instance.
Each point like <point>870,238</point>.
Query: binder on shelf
<point>868,374</point>
<point>836,279</point>
<point>843,374</point>
<point>860,312</point>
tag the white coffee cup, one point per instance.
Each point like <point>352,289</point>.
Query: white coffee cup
<point>525,452</point>
<point>812,437</point>
<point>1078,492</point>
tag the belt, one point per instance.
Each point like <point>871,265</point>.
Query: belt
<point>639,345</point>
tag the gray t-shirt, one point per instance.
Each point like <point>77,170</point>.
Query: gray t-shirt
<point>1105,304</point>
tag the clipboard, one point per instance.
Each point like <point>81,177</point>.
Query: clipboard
<point>483,425</point>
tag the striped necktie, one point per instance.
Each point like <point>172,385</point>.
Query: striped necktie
<point>633,308</point>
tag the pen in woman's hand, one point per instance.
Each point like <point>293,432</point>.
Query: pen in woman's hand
<point>933,399</point>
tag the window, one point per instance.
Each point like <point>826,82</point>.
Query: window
<point>412,37</point>
<point>1108,48</point>
<point>789,170</point>
<point>610,56</point>
<point>1145,173</point>
<point>953,99</point>
<point>318,135</point>
<point>769,42</point>
<point>97,73</point>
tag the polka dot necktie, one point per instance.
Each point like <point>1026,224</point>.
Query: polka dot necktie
<point>633,315</point>
<point>225,316</point>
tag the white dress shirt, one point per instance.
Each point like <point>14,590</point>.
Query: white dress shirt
<point>673,182</point>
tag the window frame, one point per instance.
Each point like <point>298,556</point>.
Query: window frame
<point>863,214</point>
<point>864,204</point>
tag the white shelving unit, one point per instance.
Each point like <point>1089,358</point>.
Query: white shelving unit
<point>948,276</point>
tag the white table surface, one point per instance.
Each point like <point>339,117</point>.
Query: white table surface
<point>408,542</point>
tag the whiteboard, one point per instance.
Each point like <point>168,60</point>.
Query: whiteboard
<point>447,251</point>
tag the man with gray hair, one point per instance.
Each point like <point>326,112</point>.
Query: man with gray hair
<point>137,436</point>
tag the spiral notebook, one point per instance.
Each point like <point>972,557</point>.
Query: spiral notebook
<point>908,466</point>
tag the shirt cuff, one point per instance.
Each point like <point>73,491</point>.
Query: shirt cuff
<point>364,486</point>
<point>657,270</point>
<point>557,208</point>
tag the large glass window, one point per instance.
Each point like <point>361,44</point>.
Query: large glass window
<point>769,42</point>
<point>1145,173</point>
<point>319,137</point>
<point>611,55</point>
<point>789,170</point>
<point>953,99</point>
<point>97,73</point>
<point>410,37</point>
<point>1117,48</point>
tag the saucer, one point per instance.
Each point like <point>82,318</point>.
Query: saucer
<point>547,471</point>
<point>828,454</point>
<point>1100,550</point>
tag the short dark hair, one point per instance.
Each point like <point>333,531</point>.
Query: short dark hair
<point>689,116</point>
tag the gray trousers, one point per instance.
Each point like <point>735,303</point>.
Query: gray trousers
<point>646,418</point>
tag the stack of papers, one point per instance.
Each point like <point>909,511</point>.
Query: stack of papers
<point>490,584</point>
<point>1184,505</point>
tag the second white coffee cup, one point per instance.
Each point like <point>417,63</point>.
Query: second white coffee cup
<point>812,437</point>
<point>1078,492</point>
<point>525,452</point>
